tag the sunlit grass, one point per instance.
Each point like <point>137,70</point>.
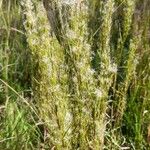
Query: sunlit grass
<point>74,75</point>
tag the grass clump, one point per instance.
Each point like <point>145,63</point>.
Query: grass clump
<point>74,74</point>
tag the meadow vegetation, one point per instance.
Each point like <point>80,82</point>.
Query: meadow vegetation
<point>74,75</point>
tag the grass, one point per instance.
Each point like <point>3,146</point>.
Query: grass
<point>74,75</point>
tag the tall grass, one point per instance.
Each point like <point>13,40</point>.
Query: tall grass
<point>74,74</point>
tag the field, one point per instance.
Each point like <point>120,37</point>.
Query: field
<point>74,75</point>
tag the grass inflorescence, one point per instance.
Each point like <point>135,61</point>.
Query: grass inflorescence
<point>74,74</point>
